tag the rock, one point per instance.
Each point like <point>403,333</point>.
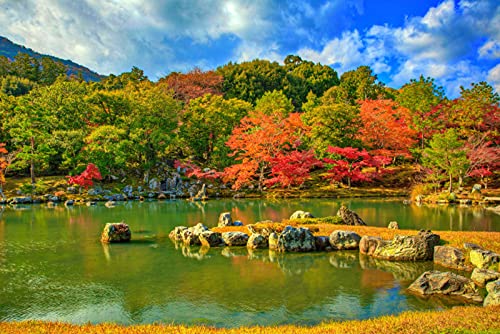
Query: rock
<point>393,226</point>
<point>225,219</point>
<point>235,238</point>
<point>201,195</point>
<point>294,240</point>
<point>402,248</point>
<point>469,246</point>
<point>94,191</point>
<point>450,257</point>
<point>91,203</point>
<point>344,240</point>
<point>465,201</point>
<point>483,259</point>
<point>191,235</point>
<point>265,231</point>
<point>483,276</point>
<point>110,204</point>
<point>445,283</point>
<point>257,241</point>
<point>71,190</point>
<point>237,223</point>
<point>54,199</point>
<point>476,187</point>
<point>211,239</point>
<point>322,243</point>
<point>419,198</point>
<point>162,196</point>
<point>21,200</point>
<point>116,232</point>
<point>349,217</point>
<point>153,184</point>
<point>493,297</point>
<point>176,233</point>
<point>301,214</point>
<point>69,202</point>
<point>273,240</point>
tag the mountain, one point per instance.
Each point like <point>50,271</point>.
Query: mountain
<point>10,49</point>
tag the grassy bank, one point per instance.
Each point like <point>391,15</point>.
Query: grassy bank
<point>465,319</point>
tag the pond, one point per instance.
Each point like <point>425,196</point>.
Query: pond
<point>53,267</point>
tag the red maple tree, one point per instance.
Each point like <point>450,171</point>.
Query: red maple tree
<point>193,84</point>
<point>85,179</point>
<point>3,164</point>
<point>292,168</point>
<point>385,128</point>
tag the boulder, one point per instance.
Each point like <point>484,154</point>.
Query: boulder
<point>483,259</point>
<point>265,231</point>
<point>469,246</point>
<point>69,202</point>
<point>21,200</point>
<point>323,243</point>
<point>445,283</point>
<point>393,226</point>
<point>116,232</point>
<point>450,257</point>
<point>483,276</point>
<point>191,235</point>
<point>344,240</point>
<point>293,240</point>
<point>176,233</point>
<point>235,238</point>
<point>349,217</point>
<point>211,239</point>
<point>301,214</point>
<point>237,223</point>
<point>402,248</point>
<point>201,195</point>
<point>493,297</point>
<point>225,219</point>
<point>257,241</point>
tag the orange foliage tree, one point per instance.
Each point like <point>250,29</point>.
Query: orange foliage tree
<point>385,129</point>
<point>193,84</point>
<point>256,143</point>
<point>3,166</point>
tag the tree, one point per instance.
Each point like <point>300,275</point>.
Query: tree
<point>25,66</point>
<point>361,84</point>
<point>292,168</point>
<point>385,128</point>
<point>350,164</point>
<point>422,98</point>
<point>483,156</point>
<point>193,84</point>
<point>85,179</point>
<point>257,141</point>
<point>446,154</point>
<point>50,71</point>
<point>274,103</point>
<point>3,167</point>
<point>15,86</point>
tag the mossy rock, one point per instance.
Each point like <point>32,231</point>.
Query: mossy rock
<point>335,220</point>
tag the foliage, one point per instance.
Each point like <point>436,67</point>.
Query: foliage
<point>351,164</point>
<point>385,128</point>
<point>446,154</point>
<point>483,157</point>
<point>193,84</point>
<point>192,170</point>
<point>292,168</point>
<point>3,163</point>
<point>85,179</point>
<point>360,84</point>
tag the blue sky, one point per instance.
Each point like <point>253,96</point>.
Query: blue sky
<point>455,42</point>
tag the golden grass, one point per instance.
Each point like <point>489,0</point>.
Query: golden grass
<point>488,240</point>
<point>464,319</point>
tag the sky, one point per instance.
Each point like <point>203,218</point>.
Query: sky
<point>454,42</point>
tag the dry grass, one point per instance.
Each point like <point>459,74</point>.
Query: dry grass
<point>488,240</point>
<point>463,319</point>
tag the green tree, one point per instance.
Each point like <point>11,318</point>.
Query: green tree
<point>50,70</point>
<point>361,84</point>
<point>274,103</point>
<point>25,66</point>
<point>446,155</point>
<point>15,86</point>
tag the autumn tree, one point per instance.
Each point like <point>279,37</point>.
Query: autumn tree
<point>446,155</point>
<point>193,84</point>
<point>483,157</point>
<point>385,128</point>
<point>87,177</point>
<point>3,167</point>
<point>257,140</point>
<point>292,168</point>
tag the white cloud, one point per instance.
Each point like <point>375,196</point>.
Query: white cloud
<point>490,50</point>
<point>494,77</point>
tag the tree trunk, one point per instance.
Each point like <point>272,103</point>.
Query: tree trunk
<point>261,178</point>
<point>450,188</point>
<point>32,162</point>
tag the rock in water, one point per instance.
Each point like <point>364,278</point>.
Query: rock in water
<point>482,276</point>
<point>191,236</point>
<point>116,232</point>
<point>323,243</point>
<point>225,219</point>
<point>393,226</point>
<point>484,259</point>
<point>493,297</point>
<point>450,257</point>
<point>349,217</point>
<point>257,241</point>
<point>293,240</point>
<point>301,214</point>
<point>344,240</point>
<point>235,238</point>
<point>445,283</point>
<point>201,195</point>
<point>402,248</point>
<point>211,239</point>
<point>176,233</point>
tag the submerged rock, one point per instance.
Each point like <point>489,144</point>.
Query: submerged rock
<point>235,238</point>
<point>402,248</point>
<point>116,232</point>
<point>293,240</point>
<point>191,236</point>
<point>349,217</point>
<point>450,257</point>
<point>344,240</point>
<point>301,214</point>
<point>445,283</point>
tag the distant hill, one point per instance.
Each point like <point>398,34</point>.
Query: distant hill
<point>10,49</point>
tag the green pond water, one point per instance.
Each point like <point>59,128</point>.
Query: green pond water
<point>53,267</point>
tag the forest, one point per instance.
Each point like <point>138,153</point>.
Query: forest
<point>257,124</point>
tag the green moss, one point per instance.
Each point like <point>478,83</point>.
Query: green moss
<point>323,220</point>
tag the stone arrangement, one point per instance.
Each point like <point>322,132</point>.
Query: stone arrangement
<point>116,232</point>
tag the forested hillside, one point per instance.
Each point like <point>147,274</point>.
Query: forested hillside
<point>253,124</point>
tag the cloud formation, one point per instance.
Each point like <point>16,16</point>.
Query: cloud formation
<point>454,42</point>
